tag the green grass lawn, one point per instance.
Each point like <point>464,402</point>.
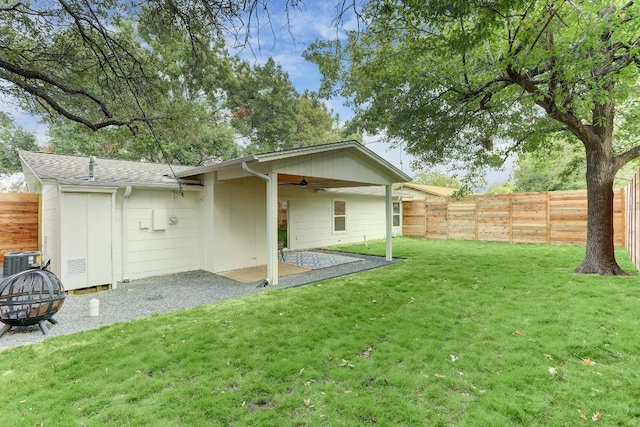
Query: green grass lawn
<point>460,333</point>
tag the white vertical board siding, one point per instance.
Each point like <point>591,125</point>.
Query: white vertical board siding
<point>239,224</point>
<point>86,239</point>
<point>152,252</point>
<point>50,226</point>
<point>345,165</point>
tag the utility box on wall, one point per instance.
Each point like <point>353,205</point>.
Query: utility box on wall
<point>160,219</point>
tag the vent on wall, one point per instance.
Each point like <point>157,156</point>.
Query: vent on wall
<point>76,266</point>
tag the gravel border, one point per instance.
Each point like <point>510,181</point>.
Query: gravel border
<point>167,293</point>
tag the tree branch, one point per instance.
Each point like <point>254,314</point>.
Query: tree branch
<point>583,132</point>
<point>39,76</point>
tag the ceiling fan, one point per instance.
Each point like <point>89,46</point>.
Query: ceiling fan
<point>304,183</point>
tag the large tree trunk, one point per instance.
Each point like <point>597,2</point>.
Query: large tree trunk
<point>600,257</point>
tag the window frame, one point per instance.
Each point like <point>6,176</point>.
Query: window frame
<point>334,216</point>
<point>395,214</point>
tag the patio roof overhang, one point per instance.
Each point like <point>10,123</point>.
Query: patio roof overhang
<point>340,164</point>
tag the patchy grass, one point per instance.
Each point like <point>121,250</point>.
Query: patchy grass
<point>460,333</point>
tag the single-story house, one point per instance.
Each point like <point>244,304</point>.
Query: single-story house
<point>412,191</point>
<point>106,220</point>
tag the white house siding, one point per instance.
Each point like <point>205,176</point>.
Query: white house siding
<point>238,218</point>
<point>176,248</point>
<point>50,226</point>
<point>311,218</point>
<point>343,165</point>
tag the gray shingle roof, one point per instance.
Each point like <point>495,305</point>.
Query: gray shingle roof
<point>74,170</point>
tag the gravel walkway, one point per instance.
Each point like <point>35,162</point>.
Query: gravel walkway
<point>162,294</point>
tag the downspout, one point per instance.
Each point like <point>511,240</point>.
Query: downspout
<point>388,202</point>
<point>125,234</point>
<point>272,262</point>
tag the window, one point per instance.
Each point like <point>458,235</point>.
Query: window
<point>396,214</point>
<point>339,215</point>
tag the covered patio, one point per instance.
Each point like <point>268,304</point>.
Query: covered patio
<point>244,195</point>
<point>294,262</point>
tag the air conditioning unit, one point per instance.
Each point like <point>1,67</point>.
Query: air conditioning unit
<point>15,262</point>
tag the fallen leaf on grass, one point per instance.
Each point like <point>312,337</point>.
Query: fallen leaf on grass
<point>367,353</point>
<point>548,356</point>
<point>307,402</point>
<point>346,363</point>
<point>588,362</point>
<point>596,416</point>
<point>582,415</point>
<point>438,376</point>
<point>521,333</point>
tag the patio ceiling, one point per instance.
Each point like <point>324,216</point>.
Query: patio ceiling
<point>314,182</point>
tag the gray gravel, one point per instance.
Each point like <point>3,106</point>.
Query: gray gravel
<point>162,294</point>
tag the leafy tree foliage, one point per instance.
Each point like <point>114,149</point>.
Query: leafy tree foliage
<point>504,188</point>
<point>155,78</point>
<point>75,59</point>
<point>12,139</point>
<point>552,168</point>
<point>187,128</point>
<point>437,179</point>
<point>472,81</point>
<point>268,111</point>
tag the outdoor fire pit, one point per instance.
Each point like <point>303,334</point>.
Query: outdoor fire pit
<point>30,297</point>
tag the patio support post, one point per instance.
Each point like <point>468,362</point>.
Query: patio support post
<point>272,229</point>
<point>388,220</point>
<point>272,222</point>
<point>125,234</point>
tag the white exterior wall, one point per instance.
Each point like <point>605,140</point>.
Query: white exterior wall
<point>311,218</point>
<point>175,248</point>
<point>50,228</point>
<point>236,215</point>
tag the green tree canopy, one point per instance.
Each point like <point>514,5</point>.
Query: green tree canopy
<point>269,112</point>
<point>437,179</point>
<point>471,81</point>
<point>555,167</point>
<point>76,59</point>
<point>12,139</point>
<point>188,127</point>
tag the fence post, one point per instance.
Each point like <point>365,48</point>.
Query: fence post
<point>510,217</point>
<point>548,218</point>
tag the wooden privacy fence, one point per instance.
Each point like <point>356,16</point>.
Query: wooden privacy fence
<point>19,216</point>
<point>558,217</point>
<point>632,240</point>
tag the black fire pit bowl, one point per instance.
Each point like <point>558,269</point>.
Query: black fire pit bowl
<point>30,297</point>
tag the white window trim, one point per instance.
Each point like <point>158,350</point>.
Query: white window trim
<point>399,214</point>
<point>334,216</point>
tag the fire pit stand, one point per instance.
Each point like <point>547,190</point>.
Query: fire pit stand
<point>30,297</point>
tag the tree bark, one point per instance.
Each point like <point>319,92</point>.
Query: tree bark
<point>599,255</point>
